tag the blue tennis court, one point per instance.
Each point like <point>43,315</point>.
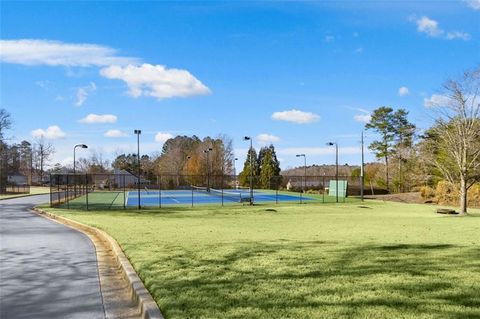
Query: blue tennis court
<point>187,197</point>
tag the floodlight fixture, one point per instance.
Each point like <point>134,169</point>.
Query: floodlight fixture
<point>336,168</point>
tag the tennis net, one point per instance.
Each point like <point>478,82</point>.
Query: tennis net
<point>232,196</point>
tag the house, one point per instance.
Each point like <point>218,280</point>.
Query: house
<point>17,179</point>
<point>123,178</point>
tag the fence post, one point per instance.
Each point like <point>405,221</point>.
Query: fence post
<point>222,186</point>
<point>276,190</point>
<point>323,193</point>
<point>67,197</point>
<point>159,193</point>
<point>51,191</point>
<point>301,191</point>
<point>86,188</point>
<point>58,189</point>
<point>124,194</point>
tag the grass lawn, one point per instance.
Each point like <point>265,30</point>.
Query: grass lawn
<point>34,190</point>
<point>382,260</point>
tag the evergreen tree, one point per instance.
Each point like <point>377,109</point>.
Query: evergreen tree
<point>275,161</point>
<point>395,131</point>
<point>261,155</point>
<point>267,169</point>
<point>403,148</point>
<point>249,170</point>
<point>382,123</point>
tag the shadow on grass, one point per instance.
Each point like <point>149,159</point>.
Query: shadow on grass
<point>316,279</point>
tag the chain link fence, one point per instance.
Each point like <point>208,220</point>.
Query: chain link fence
<point>124,191</point>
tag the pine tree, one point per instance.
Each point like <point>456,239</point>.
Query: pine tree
<point>267,169</point>
<point>275,161</point>
<point>244,176</point>
<point>395,131</point>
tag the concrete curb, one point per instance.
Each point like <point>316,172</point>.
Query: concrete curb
<point>138,292</point>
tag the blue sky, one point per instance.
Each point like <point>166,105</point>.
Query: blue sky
<point>298,74</point>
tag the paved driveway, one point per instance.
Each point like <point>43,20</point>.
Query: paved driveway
<point>47,270</point>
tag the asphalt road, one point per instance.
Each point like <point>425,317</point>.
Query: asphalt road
<point>47,270</point>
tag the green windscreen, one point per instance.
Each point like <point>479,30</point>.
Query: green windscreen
<point>342,188</point>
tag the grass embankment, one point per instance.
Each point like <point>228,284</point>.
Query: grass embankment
<point>383,260</point>
<point>34,190</point>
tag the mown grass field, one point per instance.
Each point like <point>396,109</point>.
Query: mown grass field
<point>371,260</point>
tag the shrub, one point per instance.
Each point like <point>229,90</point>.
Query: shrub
<point>474,195</point>
<point>427,192</point>
<point>446,193</point>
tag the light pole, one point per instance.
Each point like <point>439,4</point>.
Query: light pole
<point>74,161</point>
<point>248,138</point>
<point>362,178</point>
<point>235,171</point>
<point>74,149</point>
<point>138,132</point>
<point>336,168</point>
<point>208,150</point>
<point>304,171</point>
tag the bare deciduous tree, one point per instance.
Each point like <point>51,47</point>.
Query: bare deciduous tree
<point>43,151</point>
<point>5,122</point>
<point>456,133</point>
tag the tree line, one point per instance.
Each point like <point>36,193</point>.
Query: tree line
<point>443,158</point>
<point>26,158</point>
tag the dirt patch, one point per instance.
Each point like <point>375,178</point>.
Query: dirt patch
<point>413,197</point>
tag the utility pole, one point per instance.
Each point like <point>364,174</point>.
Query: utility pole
<point>362,173</point>
<point>248,138</point>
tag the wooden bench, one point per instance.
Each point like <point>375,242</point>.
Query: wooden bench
<point>446,211</point>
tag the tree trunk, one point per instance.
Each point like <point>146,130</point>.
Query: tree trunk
<point>386,173</point>
<point>463,195</point>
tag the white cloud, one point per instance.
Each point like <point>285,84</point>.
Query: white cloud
<point>362,118</point>
<point>432,29</point>
<point>96,118</point>
<point>162,137</point>
<point>156,81</point>
<point>267,138</point>
<point>437,100</point>
<point>458,35</point>
<point>52,133</point>
<point>403,91</point>
<point>83,92</point>
<point>115,133</point>
<point>56,53</point>
<point>359,50</point>
<point>474,4</point>
<point>429,26</point>
<point>329,38</point>
<point>296,116</point>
